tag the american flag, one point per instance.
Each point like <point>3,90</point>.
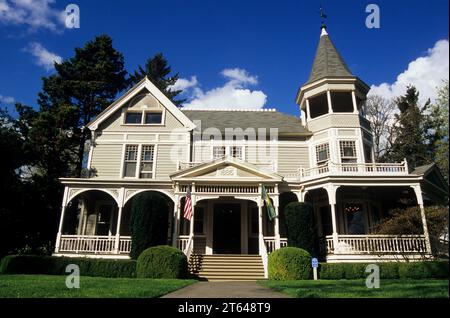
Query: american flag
<point>188,206</point>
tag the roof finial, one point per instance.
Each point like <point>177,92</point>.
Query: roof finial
<point>323,16</point>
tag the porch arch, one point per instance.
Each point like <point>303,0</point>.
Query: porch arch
<point>164,192</point>
<point>81,191</point>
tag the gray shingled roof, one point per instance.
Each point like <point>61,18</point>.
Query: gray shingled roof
<point>222,119</point>
<point>328,62</point>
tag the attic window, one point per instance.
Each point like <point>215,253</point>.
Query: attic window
<point>153,118</point>
<point>133,118</point>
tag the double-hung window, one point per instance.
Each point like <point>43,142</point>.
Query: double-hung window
<point>147,156</point>
<point>130,164</point>
<point>348,151</point>
<point>236,152</point>
<point>144,117</point>
<point>145,162</point>
<point>322,153</point>
<point>218,152</point>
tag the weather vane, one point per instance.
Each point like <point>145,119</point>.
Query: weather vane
<point>323,16</point>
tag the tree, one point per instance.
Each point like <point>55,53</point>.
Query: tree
<point>300,225</point>
<point>149,219</point>
<point>157,70</point>
<point>439,119</point>
<point>380,112</point>
<point>83,86</point>
<point>411,131</point>
<point>409,221</point>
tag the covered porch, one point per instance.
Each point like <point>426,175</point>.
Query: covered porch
<point>347,217</point>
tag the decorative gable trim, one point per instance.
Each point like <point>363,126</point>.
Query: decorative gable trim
<point>144,83</point>
<point>218,165</point>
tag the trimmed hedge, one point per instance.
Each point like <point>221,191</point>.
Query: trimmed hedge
<point>289,263</point>
<point>52,265</point>
<point>393,270</point>
<point>162,262</point>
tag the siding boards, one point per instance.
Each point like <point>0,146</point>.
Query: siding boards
<point>106,159</point>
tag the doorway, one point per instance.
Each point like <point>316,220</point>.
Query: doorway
<point>227,228</point>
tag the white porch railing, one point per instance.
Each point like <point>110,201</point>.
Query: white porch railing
<point>186,244</point>
<point>264,255</point>
<point>96,244</point>
<point>271,241</point>
<point>377,244</point>
<point>331,168</point>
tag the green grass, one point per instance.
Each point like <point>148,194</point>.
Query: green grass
<point>13,286</point>
<point>393,288</point>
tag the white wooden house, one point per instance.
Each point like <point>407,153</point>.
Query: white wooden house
<point>143,142</point>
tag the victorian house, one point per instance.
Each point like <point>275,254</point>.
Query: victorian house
<point>225,158</point>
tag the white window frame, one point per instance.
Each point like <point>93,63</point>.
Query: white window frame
<point>341,151</point>
<point>152,161</point>
<point>124,160</point>
<point>143,113</point>
<point>139,161</point>
<point>321,162</point>
<point>242,152</point>
<point>213,153</point>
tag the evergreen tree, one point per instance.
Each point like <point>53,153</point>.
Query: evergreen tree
<point>149,219</point>
<point>411,131</point>
<point>83,86</point>
<point>158,72</point>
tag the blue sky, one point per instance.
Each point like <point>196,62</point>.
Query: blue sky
<point>252,53</point>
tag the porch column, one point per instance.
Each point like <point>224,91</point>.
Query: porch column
<point>331,190</point>
<point>260,221</point>
<point>119,218</point>
<point>418,192</point>
<point>176,221</point>
<point>276,203</point>
<point>61,220</point>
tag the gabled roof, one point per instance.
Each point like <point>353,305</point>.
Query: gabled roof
<point>127,96</point>
<point>222,119</point>
<point>328,62</point>
<point>204,168</point>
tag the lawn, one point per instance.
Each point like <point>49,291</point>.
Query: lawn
<point>54,286</point>
<point>393,288</point>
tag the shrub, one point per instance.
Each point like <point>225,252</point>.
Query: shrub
<point>162,262</point>
<point>299,225</point>
<point>51,265</point>
<point>391,270</point>
<point>427,269</point>
<point>289,263</point>
<point>149,220</point>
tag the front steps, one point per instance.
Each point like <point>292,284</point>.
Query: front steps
<point>236,267</point>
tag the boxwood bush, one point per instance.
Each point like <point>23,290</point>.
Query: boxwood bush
<point>52,265</point>
<point>162,262</point>
<point>300,225</point>
<point>391,270</point>
<point>289,263</point>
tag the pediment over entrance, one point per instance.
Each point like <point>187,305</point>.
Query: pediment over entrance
<point>227,169</point>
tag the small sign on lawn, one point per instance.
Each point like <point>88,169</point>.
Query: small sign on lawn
<point>315,265</point>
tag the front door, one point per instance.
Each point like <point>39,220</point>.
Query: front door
<point>227,228</point>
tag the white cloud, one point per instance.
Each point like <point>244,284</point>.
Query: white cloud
<point>33,13</point>
<point>425,73</point>
<point>7,99</point>
<point>43,57</point>
<point>233,94</point>
<point>184,84</point>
